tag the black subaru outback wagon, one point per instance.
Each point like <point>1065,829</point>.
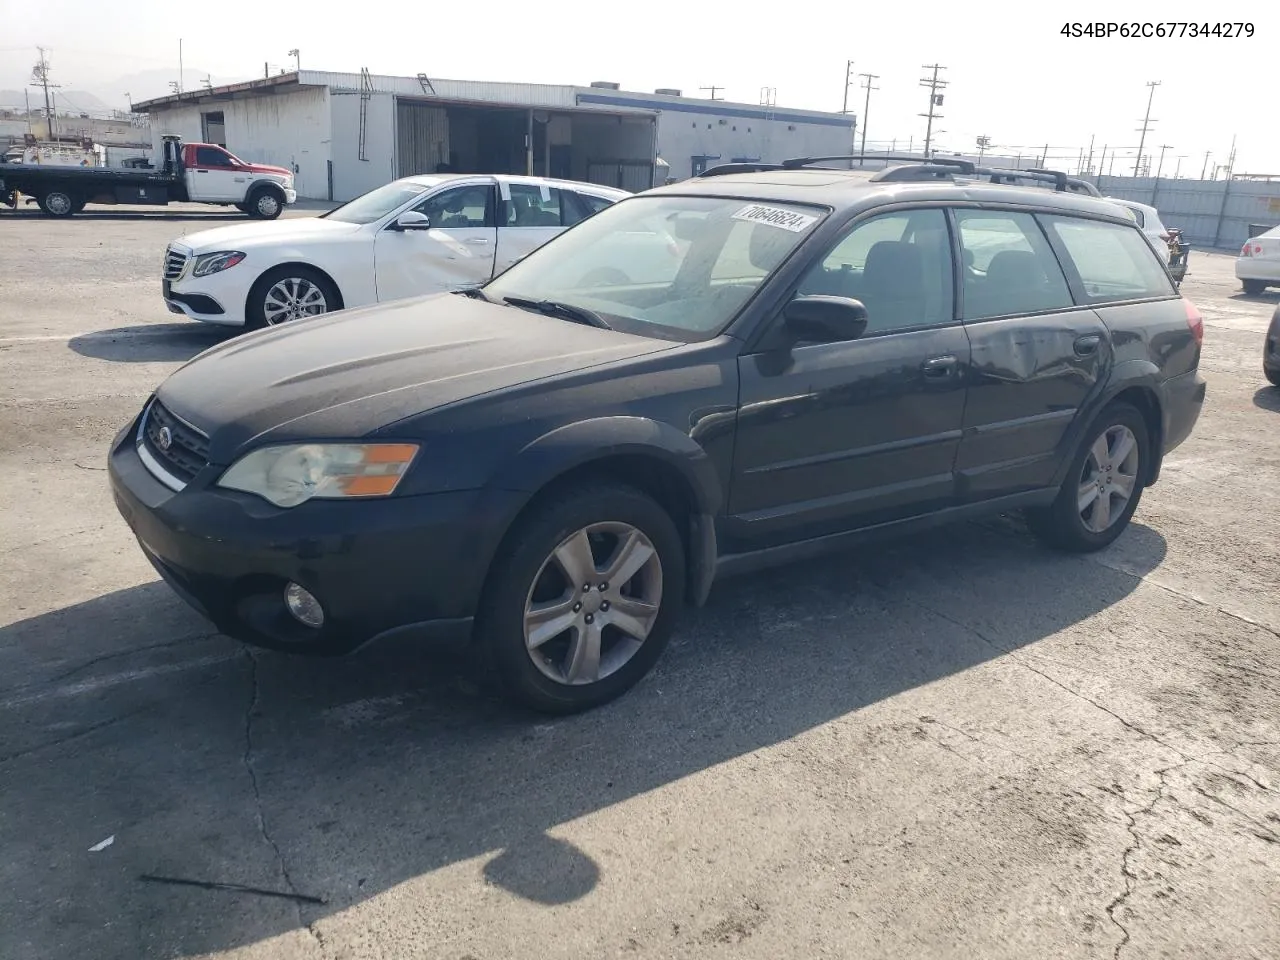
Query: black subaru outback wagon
<point>742,369</point>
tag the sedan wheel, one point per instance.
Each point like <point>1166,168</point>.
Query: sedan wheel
<point>293,298</point>
<point>1109,478</point>
<point>593,603</point>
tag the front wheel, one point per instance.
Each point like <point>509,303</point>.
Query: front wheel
<point>580,608</point>
<point>290,293</point>
<point>1273,375</point>
<point>265,204</point>
<point>1103,485</point>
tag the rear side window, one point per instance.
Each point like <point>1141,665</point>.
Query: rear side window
<point>1009,266</point>
<point>1114,262</point>
<point>534,206</point>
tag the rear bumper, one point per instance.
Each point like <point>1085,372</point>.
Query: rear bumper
<point>1258,268</point>
<point>1182,403</point>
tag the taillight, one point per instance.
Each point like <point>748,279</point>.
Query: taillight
<point>1194,321</point>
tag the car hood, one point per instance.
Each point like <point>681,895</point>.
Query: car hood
<point>268,169</point>
<point>266,233</point>
<point>349,373</point>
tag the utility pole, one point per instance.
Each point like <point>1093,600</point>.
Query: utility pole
<point>848,82</point>
<point>1160,165</point>
<point>1178,169</point>
<point>935,100</point>
<point>1102,159</point>
<point>181,73</point>
<point>1231,157</point>
<point>983,142</point>
<point>1089,162</point>
<point>713,92</point>
<point>866,108</point>
<point>297,59</point>
<point>40,78</point>
<point>1044,157</point>
<point>1204,169</point>
<point>1146,122</point>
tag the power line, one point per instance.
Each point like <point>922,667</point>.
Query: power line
<point>935,100</point>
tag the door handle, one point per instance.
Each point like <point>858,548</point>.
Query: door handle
<point>476,240</point>
<point>1088,346</point>
<point>939,368</point>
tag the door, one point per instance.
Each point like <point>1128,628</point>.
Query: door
<point>216,175</point>
<point>834,436</point>
<point>533,214</point>
<point>1036,356</point>
<point>455,251</point>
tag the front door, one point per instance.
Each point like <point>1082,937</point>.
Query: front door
<point>1037,357</point>
<point>534,213</point>
<point>833,436</point>
<point>456,251</point>
<point>215,175</point>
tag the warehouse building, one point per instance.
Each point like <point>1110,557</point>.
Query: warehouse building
<point>345,133</point>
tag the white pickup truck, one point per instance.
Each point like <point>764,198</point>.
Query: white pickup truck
<point>412,237</point>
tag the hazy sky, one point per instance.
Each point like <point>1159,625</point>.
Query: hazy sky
<point>1011,74</point>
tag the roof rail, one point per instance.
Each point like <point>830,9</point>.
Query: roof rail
<point>724,169</point>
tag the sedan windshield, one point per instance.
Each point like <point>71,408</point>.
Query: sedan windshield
<point>376,204</point>
<point>664,266</point>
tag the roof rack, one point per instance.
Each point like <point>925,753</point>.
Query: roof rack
<point>918,169</point>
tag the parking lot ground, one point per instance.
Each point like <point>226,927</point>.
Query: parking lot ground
<point>961,745</point>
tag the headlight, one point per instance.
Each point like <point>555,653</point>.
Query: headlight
<point>290,475</point>
<point>216,262</point>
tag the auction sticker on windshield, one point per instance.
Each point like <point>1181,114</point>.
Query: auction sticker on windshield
<point>776,217</point>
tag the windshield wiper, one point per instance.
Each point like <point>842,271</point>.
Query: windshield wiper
<point>567,311</point>
<point>475,293</point>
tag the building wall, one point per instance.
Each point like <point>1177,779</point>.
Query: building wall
<point>1211,213</point>
<point>286,129</point>
<point>351,175</point>
<point>596,140</point>
<point>684,136</point>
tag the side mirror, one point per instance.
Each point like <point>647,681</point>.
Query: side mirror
<point>412,220</point>
<point>824,319</point>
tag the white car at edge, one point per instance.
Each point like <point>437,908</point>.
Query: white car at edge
<point>411,237</point>
<point>1258,265</point>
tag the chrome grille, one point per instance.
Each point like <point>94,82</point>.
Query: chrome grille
<point>187,450</point>
<point>174,263</point>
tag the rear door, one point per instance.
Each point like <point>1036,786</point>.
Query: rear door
<point>1037,357</point>
<point>834,436</point>
<point>533,213</point>
<point>214,175</point>
<point>456,251</point>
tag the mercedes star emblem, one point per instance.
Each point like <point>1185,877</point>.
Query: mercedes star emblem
<point>165,438</point>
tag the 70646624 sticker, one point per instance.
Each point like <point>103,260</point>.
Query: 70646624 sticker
<point>776,217</point>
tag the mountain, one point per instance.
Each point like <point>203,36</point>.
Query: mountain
<point>115,94</point>
<point>65,101</point>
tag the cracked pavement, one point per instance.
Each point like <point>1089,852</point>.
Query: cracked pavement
<point>957,745</point>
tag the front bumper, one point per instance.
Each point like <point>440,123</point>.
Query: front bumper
<point>412,565</point>
<point>219,298</point>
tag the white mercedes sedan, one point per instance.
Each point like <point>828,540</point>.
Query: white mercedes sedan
<point>1258,265</point>
<point>412,237</point>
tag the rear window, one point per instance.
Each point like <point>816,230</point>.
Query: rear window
<point>1114,262</point>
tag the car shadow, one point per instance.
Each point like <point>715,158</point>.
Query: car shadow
<point>212,216</point>
<point>202,759</point>
<point>1268,398</point>
<point>151,342</point>
<point>1267,296</point>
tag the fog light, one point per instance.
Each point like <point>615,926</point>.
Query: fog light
<point>304,607</point>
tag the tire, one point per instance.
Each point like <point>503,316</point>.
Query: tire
<point>58,203</point>
<point>1254,287</point>
<point>1273,375</point>
<point>543,679</point>
<point>301,281</point>
<point>265,203</point>
<point>1063,524</point>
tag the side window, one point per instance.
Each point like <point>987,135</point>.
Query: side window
<point>897,264</point>
<point>579,206</point>
<point>211,157</point>
<point>1009,266</point>
<point>1139,216</point>
<point>459,207</point>
<point>1114,262</point>
<point>534,206</point>
<point>593,203</point>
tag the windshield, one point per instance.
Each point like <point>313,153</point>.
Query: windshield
<point>376,204</point>
<point>664,266</point>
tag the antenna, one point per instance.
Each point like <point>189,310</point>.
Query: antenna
<point>713,90</point>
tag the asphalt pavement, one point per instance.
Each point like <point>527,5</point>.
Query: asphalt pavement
<point>959,745</point>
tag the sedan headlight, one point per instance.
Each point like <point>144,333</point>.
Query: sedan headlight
<point>216,262</point>
<point>290,475</point>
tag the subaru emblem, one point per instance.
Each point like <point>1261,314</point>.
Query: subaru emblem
<point>165,438</point>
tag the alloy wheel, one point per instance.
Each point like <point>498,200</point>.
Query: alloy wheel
<point>1109,478</point>
<point>293,298</point>
<point>593,603</point>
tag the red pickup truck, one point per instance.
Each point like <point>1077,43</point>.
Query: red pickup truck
<point>190,173</point>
